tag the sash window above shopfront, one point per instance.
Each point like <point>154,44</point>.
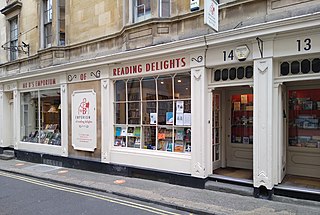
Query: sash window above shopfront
<point>41,117</point>
<point>306,66</point>
<point>154,113</point>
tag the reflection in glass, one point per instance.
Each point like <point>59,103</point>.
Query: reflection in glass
<point>182,86</point>
<point>120,110</point>
<point>134,112</point>
<point>133,90</point>
<point>148,89</point>
<point>120,90</point>
<point>41,117</point>
<point>165,88</point>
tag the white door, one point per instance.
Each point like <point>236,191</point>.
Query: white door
<point>239,135</point>
<point>10,123</point>
<point>216,130</point>
<point>284,125</point>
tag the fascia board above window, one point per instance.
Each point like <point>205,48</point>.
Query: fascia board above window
<point>14,6</point>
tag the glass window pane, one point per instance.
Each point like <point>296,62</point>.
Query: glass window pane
<point>133,134</point>
<point>165,138</point>
<point>165,88</point>
<point>182,140</point>
<point>304,115</point>
<point>120,133</point>
<point>133,90</point>
<point>148,89</point>
<point>50,119</point>
<point>183,112</point>
<point>29,116</point>
<point>165,8</point>
<point>120,110</point>
<point>242,118</point>
<point>149,137</point>
<point>149,113</point>
<point>165,113</point>
<point>120,90</point>
<point>134,112</point>
<point>182,86</point>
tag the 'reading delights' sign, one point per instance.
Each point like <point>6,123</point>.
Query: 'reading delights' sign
<point>148,67</point>
<point>84,123</point>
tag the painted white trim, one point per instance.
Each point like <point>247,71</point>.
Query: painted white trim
<point>152,160</point>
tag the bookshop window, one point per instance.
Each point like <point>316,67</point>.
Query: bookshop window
<point>159,113</point>
<point>242,119</point>
<point>41,117</point>
<point>304,115</point>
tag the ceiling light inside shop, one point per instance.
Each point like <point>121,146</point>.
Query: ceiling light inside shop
<point>179,80</point>
<point>161,82</point>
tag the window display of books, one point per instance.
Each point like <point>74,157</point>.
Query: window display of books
<point>44,136</point>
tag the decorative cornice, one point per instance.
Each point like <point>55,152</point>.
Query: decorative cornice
<point>16,5</point>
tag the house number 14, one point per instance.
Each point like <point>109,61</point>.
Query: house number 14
<point>305,44</point>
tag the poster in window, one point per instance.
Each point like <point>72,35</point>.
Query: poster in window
<point>179,119</point>
<point>84,123</point>
<point>179,107</point>
<point>153,118</point>
<point>169,118</point>
<point>187,119</point>
<point>244,99</point>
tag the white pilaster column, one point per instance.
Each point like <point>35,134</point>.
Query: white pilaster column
<point>106,119</point>
<point>64,114</point>
<point>1,116</point>
<point>263,124</point>
<point>200,148</point>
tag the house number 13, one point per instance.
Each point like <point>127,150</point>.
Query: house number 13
<point>305,44</point>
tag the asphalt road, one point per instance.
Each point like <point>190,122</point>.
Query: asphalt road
<point>20,195</point>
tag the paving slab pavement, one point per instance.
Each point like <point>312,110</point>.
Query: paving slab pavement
<point>197,201</point>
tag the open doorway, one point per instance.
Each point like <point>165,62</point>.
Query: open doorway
<point>232,133</point>
<point>8,118</point>
<point>302,134</point>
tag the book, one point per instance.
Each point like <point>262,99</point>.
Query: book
<point>161,136</point>
<point>244,99</point>
<point>162,145</point>
<point>136,132</point>
<point>118,131</point>
<point>178,147</point>
<point>130,131</point>
<point>187,119</point>
<point>236,106</point>
<point>179,134</point>
<point>169,118</point>
<point>179,119</point>
<point>123,132</point>
<point>153,118</point>
<point>169,147</point>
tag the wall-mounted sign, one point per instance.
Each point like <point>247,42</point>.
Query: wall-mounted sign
<point>298,45</point>
<point>242,52</point>
<point>149,67</point>
<point>211,12</point>
<point>84,76</point>
<point>194,5</point>
<point>84,123</point>
<point>228,55</point>
<point>45,82</point>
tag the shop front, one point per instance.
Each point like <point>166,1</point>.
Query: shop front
<point>231,104</point>
<point>152,114</point>
<point>40,115</point>
<point>298,76</point>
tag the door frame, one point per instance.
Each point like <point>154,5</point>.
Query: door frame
<point>233,150</point>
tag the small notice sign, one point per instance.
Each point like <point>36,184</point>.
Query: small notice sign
<point>211,12</point>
